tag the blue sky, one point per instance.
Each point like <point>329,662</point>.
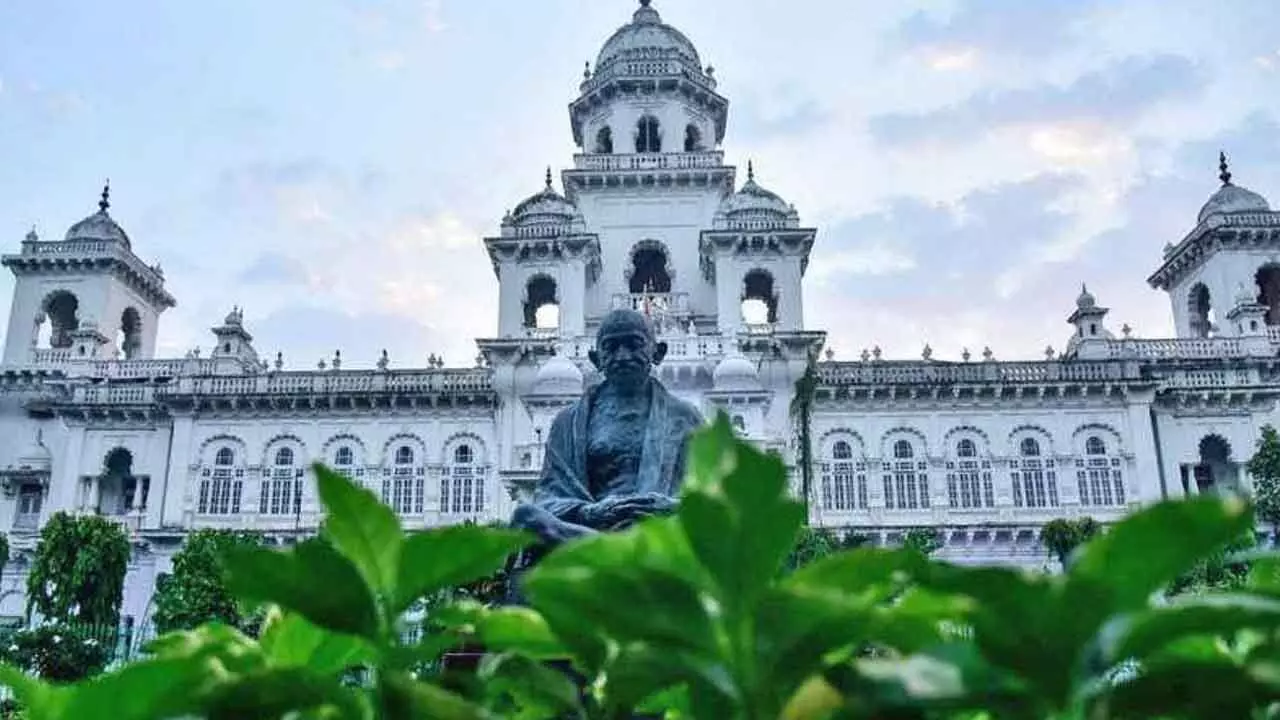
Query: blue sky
<point>331,165</point>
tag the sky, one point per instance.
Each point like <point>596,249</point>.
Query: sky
<point>331,166</point>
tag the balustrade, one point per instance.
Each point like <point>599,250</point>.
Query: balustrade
<point>649,161</point>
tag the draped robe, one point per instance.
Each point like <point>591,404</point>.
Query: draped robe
<point>565,487</point>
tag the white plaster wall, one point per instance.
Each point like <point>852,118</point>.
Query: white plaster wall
<point>1222,273</point>
<point>674,217</point>
<point>622,117</point>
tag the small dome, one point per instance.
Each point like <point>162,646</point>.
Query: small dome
<point>1231,199</point>
<point>558,376</point>
<point>545,208</point>
<point>647,38</point>
<point>736,372</point>
<point>35,456</point>
<point>1086,300</point>
<point>755,203</point>
<point>98,226</point>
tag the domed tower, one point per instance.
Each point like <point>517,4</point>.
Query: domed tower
<point>756,254</point>
<point>88,285</point>
<point>545,260</point>
<point>650,175</point>
<point>1236,241</point>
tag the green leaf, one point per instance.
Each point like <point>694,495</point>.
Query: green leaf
<point>536,690</point>
<point>1171,536</point>
<point>1189,689</point>
<point>404,697</point>
<point>275,692</point>
<point>501,629</point>
<point>870,572</point>
<point>292,641</point>
<point>40,699</point>
<point>737,514</point>
<point>313,580</point>
<point>450,556</point>
<point>1138,634</point>
<point>362,529</point>
<point>161,688</point>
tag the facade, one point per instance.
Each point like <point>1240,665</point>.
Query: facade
<point>651,217</point>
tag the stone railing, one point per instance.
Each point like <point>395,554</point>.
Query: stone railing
<point>647,64</point>
<point>927,373</point>
<point>528,456</point>
<point>121,395</point>
<point>52,356</point>
<point>1172,348</point>
<point>360,381</point>
<point>649,161</point>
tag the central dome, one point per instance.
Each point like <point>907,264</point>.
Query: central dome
<point>646,37</point>
<point>1231,198</point>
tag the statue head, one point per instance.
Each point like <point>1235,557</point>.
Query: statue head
<point>626,349</point>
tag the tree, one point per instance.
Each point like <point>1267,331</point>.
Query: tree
<point>196,591</point>
<point>925,540</point>
<point>77,574</point>
<point>1264,466</point>
<point>1060,537</point>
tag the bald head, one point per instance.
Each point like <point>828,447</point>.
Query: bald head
<point>626,347</point>
<point>624,322</point>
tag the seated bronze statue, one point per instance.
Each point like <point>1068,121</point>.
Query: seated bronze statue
<point>617,455</point>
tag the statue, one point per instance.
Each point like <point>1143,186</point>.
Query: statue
<point>617,455</point>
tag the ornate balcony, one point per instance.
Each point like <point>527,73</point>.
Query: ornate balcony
<point>649,161</point>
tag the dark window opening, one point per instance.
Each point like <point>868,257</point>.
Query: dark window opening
<point>692,139</point>
<point>604,140</point>
<point>648,139</point>
<point>541,306</point>
<point>1268,281</point>
<point>649,272</point>
<point>759,298</point>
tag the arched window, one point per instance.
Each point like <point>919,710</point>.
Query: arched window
<point>692,138</point>
<point>129,339</point>
<point>844,479</point>
<point>604,140</point>
<point>404,484</point>
<point>969,481</point>
<point>649,269</point>
<point>221,486</point>
<point>541,303</point>
<point>462,488</point>
<point>1098,476</point>
<point>759,298</point>
<point>1035,481</point>
<point>648,137</point>
<point>1268,281</point>
<point>61,308</point>
<point>344,457</point>
<point>1201,310</point>
<point>281,486</point>
<point>1095,446</point>
<point>906,480</point>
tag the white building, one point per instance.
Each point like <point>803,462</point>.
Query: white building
<point>650,217</point>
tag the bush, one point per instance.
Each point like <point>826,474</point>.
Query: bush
<point>196,591</point>
<point>58,652</point>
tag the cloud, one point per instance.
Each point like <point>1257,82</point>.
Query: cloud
<point>309,333</point>
<point>786,111</point>
<point>1116,94</point>
<point>920,271</point>
<point>274,269</point>
<point>1007,27</point>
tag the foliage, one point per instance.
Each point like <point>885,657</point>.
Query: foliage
<point>1264,466</point>
<point>1224,570</point>
<point>196,591</point>
<point>926,541</point>
<point>693,616</point>
<point>801,412</point>
<point>58,652</point>
<point>1062,536</point>
<point>77,574</point>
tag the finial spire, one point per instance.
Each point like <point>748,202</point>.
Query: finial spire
<point>105,202</point>
<point>751,171</point>
<point>1223,173</point>
<point>548,177</point>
